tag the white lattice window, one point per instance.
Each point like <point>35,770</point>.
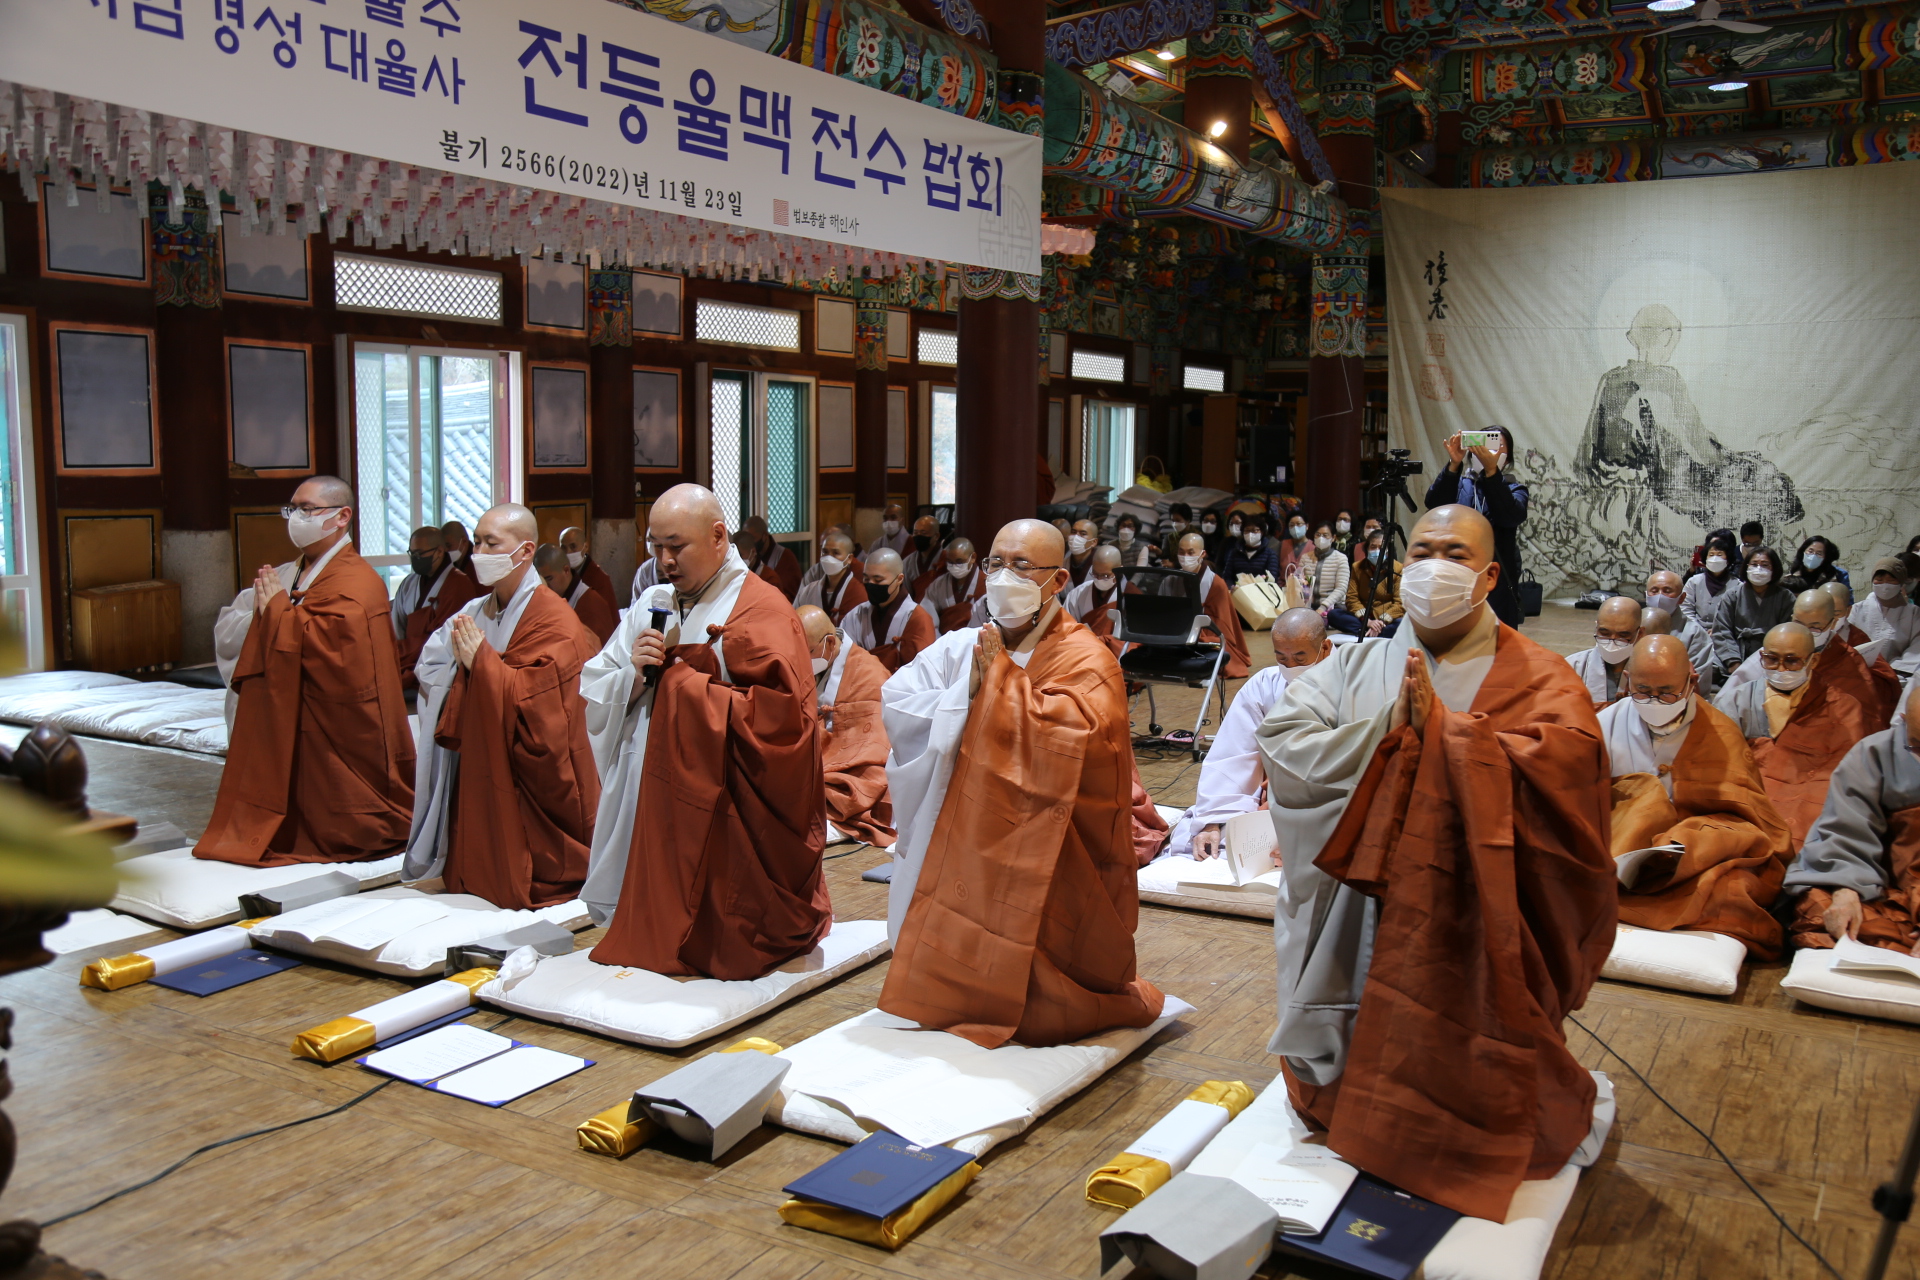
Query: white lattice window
<point>1201,378</point>
<point>939,346</point>
<point>393,287</point>
<point>739,325</point>
<point>1098,366</point>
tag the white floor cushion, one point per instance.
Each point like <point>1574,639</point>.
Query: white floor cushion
<point>156,712</point>
<point>1475,1248</point>
<point>178,889</point>
<point>669,1013</point>
<point>1880,993</point>
<point>877,1071</point>
<point>1207,886</point>
<point>1682,959</point>
<point>401,932</point>
<point>95,931</point>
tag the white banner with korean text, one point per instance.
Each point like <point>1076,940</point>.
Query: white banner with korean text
<point>583,97</point>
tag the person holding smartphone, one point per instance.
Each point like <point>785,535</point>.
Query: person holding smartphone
<point>1478,475</point>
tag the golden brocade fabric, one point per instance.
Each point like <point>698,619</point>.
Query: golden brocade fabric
<point>1127,1179</point>
<point>111,973</point>
<point>889,1232</point>
<point>334,1041</point>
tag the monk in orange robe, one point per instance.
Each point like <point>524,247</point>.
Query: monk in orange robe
<point>776,565</point>
<point>1813,705</point>
<point>1216,601</point>
<point>506,789</point>
<point>855,741</point>
<point>320,763</point>
<point>586,571</point>
<point>706,851</point>
<point>1684,776</point>
<point>431,594</point>
<point>1447,895</point>
<point>594,615</point>
<point>1011,772</point>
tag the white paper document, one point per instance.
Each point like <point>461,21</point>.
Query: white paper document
<point>1627,865</point>
<point>1249,843</point>
<point>437,1053</point>
<point>511,1075</point>
<point>310,924</point>
<point>1303,1183</point>
<point>1852,955</point>
<point>371,932</point>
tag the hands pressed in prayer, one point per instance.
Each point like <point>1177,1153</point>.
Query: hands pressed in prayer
<point>468,640</point>
<point>1416,696</point>
<point>1844,917</point>
<point>1207,843</point>
<point>266,585</point>
<point>990,646</point>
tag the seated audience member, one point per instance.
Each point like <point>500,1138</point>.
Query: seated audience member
<point>1134,549</point>
<point>1327,590</point>
<point>458,546</point>
<point>1482,478</point>
<point>320,762</point>
<point>1092,602</point>
<point>839,587</point>
<point>1815,564</point>
<point>1032,877</point>
<point>778,567</point>
<point>953,594</point>
<point>506,788</point>
<point>1701,595</point>
<point>853,740</point>
<point>1249,552</point>
<point>893,531</point>
<point>1749,609</point>
<point>1753,536</point>
<point>1858,872</point>
<point>1343,535</point>
<point>1375,585</point>
<point>1080,546</point>
<point>1216,601</point>
<point>580,559</point>
<point>1889,618</point>
<point>1603,668</point>
<point>814,572</point>
<point>1231,779</point>
<point>1367,530</point>
<point>1684,775</point>
<point>1178,523</point>
<point>889,623</point>
<point>1441,804</point>
<point>427,597</point>
<point>1666,592</point>
<point>1819,612</point>
<point>707,845</point>
<point>924,561</point>
<point>1810,708</point>
<point>592,611</point>
<point>1296,549</point>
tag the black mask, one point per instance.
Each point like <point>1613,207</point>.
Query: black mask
<point>424,563</point>
<point>878,594</point>
<point>922,541</point>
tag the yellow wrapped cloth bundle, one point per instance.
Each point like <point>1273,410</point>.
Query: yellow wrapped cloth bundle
<point>889,1232</point>
<point>359,1031</point>
<point>612,1133</point>
<point>1170,1146</point>
<point>111,973</point>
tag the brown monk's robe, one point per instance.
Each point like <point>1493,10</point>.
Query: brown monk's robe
<point>781,571</point>
<point>1893,919</point>
<point>596,615</point>
<point>724,878</point>
<point>1149,828</point>
<point>599,583</point>
<point>959,614</point>
<point>1845,701</point>
<point>1737,844</point>
<point>855,752</point>
<point>916,635</point>
<point>1021,924</point>
<point>527,791</point>
<point>320,765</point>
<point>1218,606</point>
<point>1485,843</point>
<point>457,590</point>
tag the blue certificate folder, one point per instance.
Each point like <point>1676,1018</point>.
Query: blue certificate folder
<point>880,1175</point>
<point>223,972</point>
<point>1377,1231</point>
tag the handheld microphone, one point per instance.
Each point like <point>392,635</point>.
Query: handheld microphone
<point>652,674</point>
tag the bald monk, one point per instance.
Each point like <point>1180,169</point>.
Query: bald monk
<point>1804,716</point>
<point>1664,590</point>
<point>893,531</point>
<point>706,849</point>
<point>1447,895</point>
<point>589,608</point>
<point>1858,873</point>
<point>431,594</point>
<point>924,559</point>
<point>814,572</point>
<point>1685,784</point>
<point>1216,601</point>
<point>320,762</point>
<point>506,790</point>
<point>458,546</point>
<point>1603,668</point>
<point>579,553</point>
<point>951,595</point>
<point>1013,899</point>
<point>839,587</point>
<point>855,752</point>
<point>779,567</point>
<point>1820,613</point>
<point>1843,606</point>
<point>889,623</point>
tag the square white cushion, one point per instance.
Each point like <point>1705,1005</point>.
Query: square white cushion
<point>877,1046</point>
<point>178,889</point>
<point>417,951</point>
<point>668,1013</point>
<point>1207,886</point>
<point>1681,959</point>
<point>97,931</point>
<point>1881,993</point>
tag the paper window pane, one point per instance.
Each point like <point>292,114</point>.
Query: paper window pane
<point>1200,378</point>
<point>836,427</point>
<point>1099,366</point>
<point>833,326</point>
<point>737,324</point>
<point>415,289</point>
<point>656,303</point>
<point>896,428</point>
<point>939,346</point>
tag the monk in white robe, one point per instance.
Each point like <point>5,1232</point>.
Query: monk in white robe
<point>954,590</point>
<point>1603,668</point>
<point>839,587</point>
<point>889,623</point>
<point>1889,618</point>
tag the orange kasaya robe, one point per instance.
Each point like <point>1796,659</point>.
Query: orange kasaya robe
<point>855,752</point>
<point>1485,843</point>
<point>457,590</point>
<point>1893,919</point>
<point>599,583</point>
<point>527,791</point>
<point>1021,923</point>
<point>782,571</point>
<point>596,615</point>
<point>915,635</point>
<point>1845,701</point>
<point>1149,828</point>
<point>724,878</point>
<point>1737,844</point>
<point>1218,606</point>
<point>320,766</point>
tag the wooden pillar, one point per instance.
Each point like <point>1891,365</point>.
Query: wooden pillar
<point>610,396</point>
<point>1336,392</point>
<point>870,406</point>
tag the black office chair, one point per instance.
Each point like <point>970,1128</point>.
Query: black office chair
<point>1162,615</point>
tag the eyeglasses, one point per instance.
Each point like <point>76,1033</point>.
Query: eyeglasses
<point>1781,661</point>
<point>287,513</point>
<point>994,564</point>
<point>1665,699</point>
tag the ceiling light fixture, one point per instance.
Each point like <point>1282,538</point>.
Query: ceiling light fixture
<point>1670,6</point>
<point>1728,86</point>
<point>1168,55</point>
<point>1216,129</point>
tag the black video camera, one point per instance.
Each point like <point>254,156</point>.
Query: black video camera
<point>1398,465</point>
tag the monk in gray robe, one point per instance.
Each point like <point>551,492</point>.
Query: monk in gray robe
<point>1603,668</point>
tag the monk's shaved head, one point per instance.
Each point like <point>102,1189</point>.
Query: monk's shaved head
<point>689,535</point>
<point>550,562</point>
<point>505,527</point>
<point>1659,660</point>
<point>1455,523</point>
<point>1034,550</point>
<point>894,511</point>
<point>1106,560</point>
<point>1300,638</point>
<point>1663,582</point>
<point>1655,621</point>
<point>756,526</point>
<point>884,565</point>
<point>1033,540</point>
<point>1192,544</point>
<point>1842,594</point>
<point>1621,613</point>
<point>1814,609</point>
<point>324,491</point>
<point>959,551</point>
<point>837,544</point>
<point>426,538</point>
<point>1791,639</point>
<point>926,527</point>
<point>573,541</point>
<point>815,623</point>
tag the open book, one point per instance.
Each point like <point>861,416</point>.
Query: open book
<point>1627,866</point>
<point>1854,956</point>
<point>1302,1182</point>
<point>1248,845</point>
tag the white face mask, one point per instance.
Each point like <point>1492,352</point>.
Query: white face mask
<point>1716,564</point>
<point>575,559</point>
<point>491,568</point>
<point>1759,575</point>
<point>1788,681</point>
<point>1889,592</point>
<point>820,666</point>
<point>1234,529</point>
<point>890,527</point>
<point>1012,599</point>
<point>1342,526</point>
<point>1813,559</point>
<point>1190,563</point>
<point>1323,544</point>
<point>1077,544</point>
<point>1252,536</point>
<point>1820,638</point>
<point>1124,536</point>
<point>1436,592</point>
<point>1661,600</point>
<point>832,566</point>
<point>1659,714</point>
<point>1296,531</point>
<point>1104,584</point>
<point>1208,526</point>
<point>960,571</point>
<point>456,556</point>
<point>306,528</point>
<point>1613,652</point>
